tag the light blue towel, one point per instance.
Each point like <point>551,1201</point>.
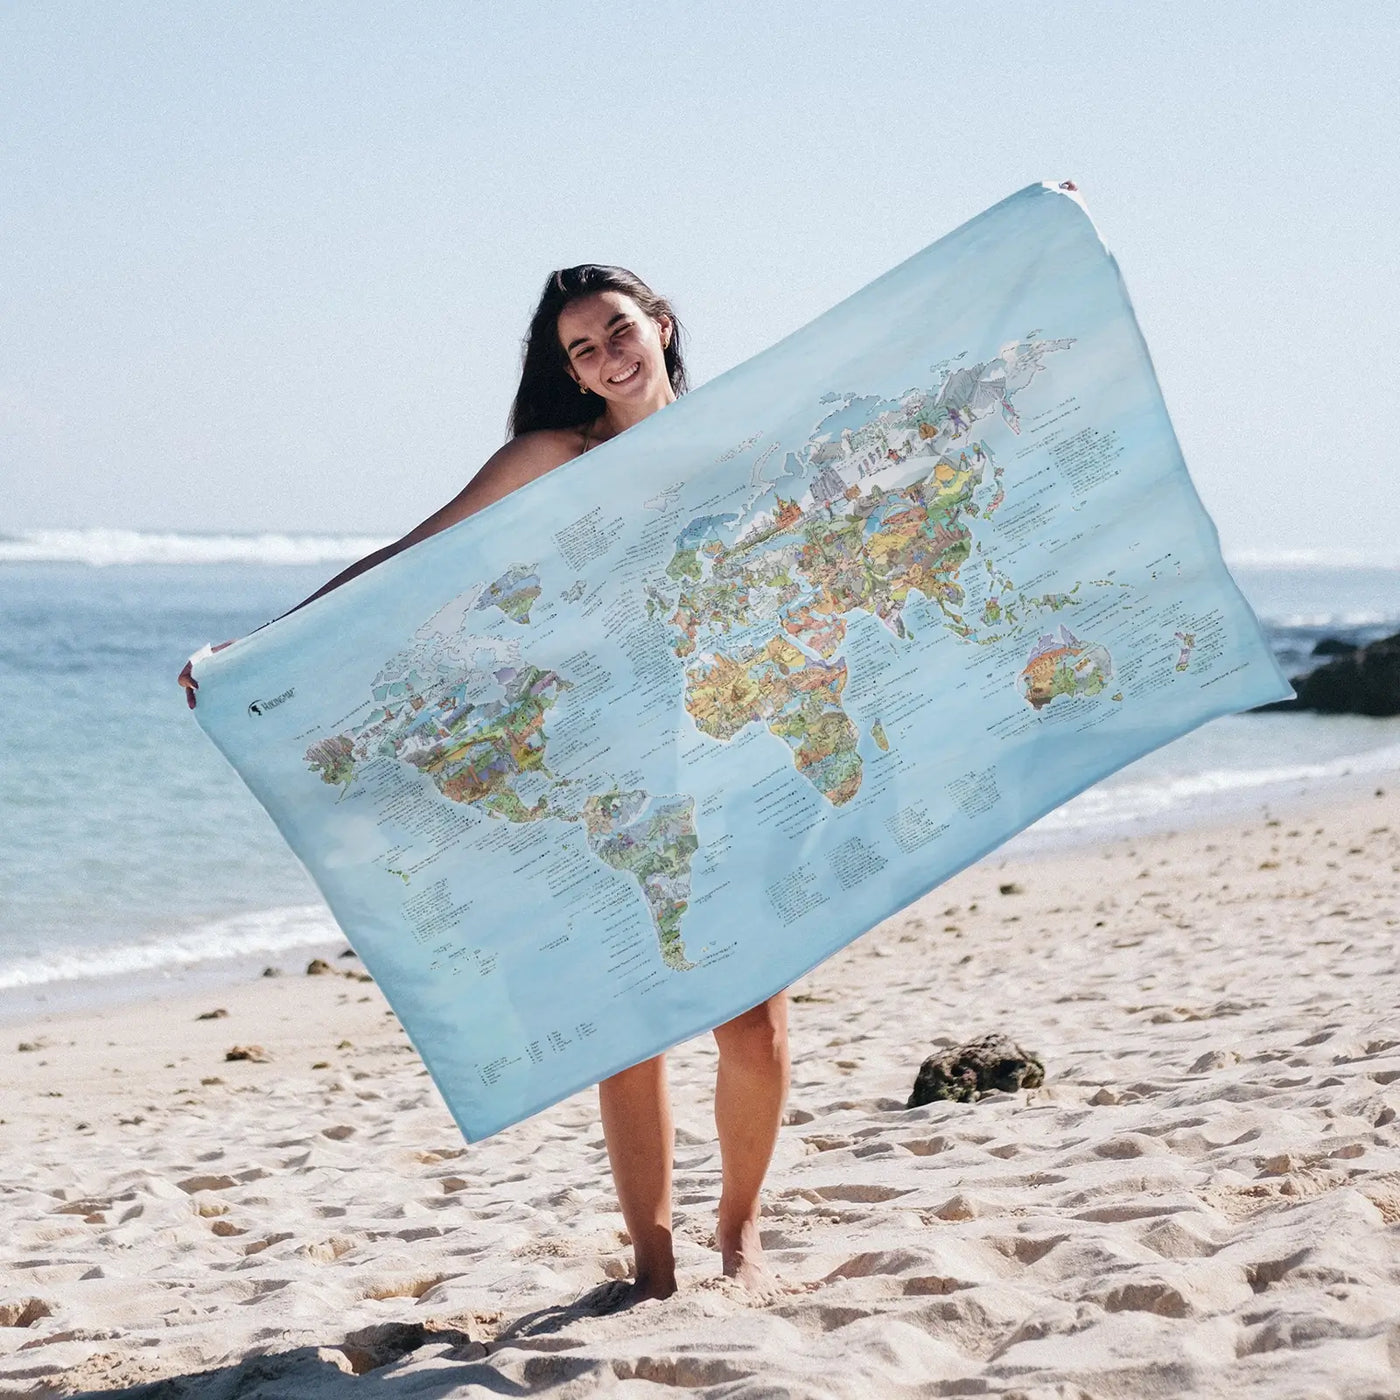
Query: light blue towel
<point>621,756</point>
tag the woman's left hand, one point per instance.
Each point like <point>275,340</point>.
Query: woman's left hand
<point>186,676</point>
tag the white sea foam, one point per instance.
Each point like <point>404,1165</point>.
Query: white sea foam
<point>1333,557</point>
<point>1357,618</point>
<point>240,935</point>
<point>106,547</point>
<point>1112,804</point>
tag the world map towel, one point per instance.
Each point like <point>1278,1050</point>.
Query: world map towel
<point>618,758</point>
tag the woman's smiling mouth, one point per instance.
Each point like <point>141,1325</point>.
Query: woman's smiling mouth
<point>626,374</point>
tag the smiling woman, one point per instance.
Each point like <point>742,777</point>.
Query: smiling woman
<point>589,320</point>
<point>603,352</point>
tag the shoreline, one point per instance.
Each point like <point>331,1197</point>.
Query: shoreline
<point>122,990</point>
<point>1203,1195</point>
<point>1075,826</point>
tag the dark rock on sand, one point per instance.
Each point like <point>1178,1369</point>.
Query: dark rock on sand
<point>1365,681</point>
<point>965,1073</point>
<point>318,967</point>
<point>247,1052</point>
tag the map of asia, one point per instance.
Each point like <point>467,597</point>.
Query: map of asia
<point>619,757</point>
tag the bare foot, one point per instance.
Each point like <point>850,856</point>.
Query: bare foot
<point>742,1260</point>
<point>619,1294</point>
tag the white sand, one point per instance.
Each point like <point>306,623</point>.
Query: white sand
<point>1202,1201</point>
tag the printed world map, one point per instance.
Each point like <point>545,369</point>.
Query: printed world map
<point>621,756</point>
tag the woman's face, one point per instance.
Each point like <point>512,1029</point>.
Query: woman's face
<point>614,348</point>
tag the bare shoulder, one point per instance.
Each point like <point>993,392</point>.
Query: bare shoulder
<point>530,455</point>
<point>520,461</point>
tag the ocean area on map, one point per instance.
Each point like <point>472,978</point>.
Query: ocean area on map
<point>132,855</point>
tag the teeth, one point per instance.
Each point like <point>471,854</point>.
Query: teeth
<point>622,378</point>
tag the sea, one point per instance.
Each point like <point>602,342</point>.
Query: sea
<point>131,856</point>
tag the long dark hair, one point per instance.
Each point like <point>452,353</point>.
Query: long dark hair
<point>548,397</point>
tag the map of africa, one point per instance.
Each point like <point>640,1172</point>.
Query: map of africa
<point>626,753</point>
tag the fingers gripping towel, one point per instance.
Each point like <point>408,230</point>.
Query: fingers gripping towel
<point>623,755</point>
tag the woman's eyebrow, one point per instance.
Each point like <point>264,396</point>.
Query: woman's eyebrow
<point>581,339</point>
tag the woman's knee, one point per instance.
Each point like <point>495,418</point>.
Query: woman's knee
<point>758,1037</point>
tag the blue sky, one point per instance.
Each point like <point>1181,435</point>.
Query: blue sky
<point>266,266</point>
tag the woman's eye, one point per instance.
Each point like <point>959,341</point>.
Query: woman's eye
<point>579,354</point>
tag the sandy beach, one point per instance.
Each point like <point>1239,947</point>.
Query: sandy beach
<point>1202,1200</point>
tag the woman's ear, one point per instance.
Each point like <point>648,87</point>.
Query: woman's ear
<point>664,323</point>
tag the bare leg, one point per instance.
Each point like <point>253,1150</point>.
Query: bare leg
<point>636,1112</point>
<point>754,1068</point>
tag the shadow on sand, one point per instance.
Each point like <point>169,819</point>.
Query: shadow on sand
<point>515,1359</point>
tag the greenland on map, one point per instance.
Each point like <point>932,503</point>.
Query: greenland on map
<point>626,753</point>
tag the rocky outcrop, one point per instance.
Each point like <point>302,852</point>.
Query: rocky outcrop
<point>983,1066</point>
<point>1362,681</point>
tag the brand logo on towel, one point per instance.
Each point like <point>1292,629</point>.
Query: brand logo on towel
<point>261,707</point>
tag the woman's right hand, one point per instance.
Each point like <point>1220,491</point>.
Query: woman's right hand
<point>186,676</point>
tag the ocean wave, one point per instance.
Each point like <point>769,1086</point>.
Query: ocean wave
<point>1112,804</point>
<point>1316,621</point>
<point>102,548</point>
<point>1336,557</point>
<point>240,935</point>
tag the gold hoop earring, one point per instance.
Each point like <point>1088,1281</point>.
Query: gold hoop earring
<point>582,390</point>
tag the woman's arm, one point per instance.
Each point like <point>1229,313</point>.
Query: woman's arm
<point>520,460</point>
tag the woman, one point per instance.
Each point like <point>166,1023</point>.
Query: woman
<point>603,352</point>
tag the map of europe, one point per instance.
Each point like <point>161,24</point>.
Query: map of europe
<point>626,753</point>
